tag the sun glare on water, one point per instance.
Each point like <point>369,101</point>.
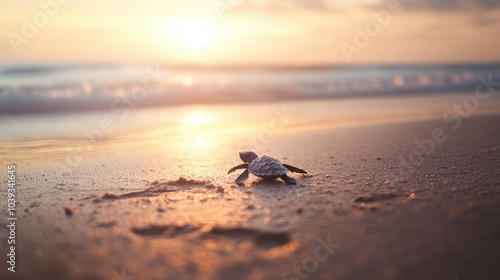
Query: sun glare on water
<point>197,121</point>
<point>201,142</point>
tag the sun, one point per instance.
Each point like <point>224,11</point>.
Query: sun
<point>193,34</point>
<point>197,119</point>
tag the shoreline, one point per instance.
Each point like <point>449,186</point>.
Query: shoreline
<point>29,139</point>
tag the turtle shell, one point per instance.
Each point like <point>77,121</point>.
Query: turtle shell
<point>267,167</point>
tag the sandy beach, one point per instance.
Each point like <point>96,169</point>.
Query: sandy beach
<point>393,191</point>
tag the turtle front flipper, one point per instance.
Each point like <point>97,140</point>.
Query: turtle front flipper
<point>288,179</point>
<point>294,169</point>
<point>243,176</point>
<point>241,166</point>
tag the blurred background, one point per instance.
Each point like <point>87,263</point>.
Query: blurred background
<point>74,56</point>
<point>248,32</point>
<point>78,55</point>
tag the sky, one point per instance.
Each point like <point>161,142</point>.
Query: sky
<point>250,32</point>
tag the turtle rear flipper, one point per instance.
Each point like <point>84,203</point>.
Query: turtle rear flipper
<point>244,165</point>
<point>288,179</point>
<point>294,169</point>
<point>243,176</point>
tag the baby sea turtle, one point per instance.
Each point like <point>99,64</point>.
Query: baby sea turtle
<point>265,167</point>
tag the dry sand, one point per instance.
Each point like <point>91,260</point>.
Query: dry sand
<point>360,213</point>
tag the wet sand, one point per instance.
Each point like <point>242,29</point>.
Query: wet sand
<point>373,206</point>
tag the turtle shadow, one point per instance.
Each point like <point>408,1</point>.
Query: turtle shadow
<point>268,182</point>
<point>279,182</point>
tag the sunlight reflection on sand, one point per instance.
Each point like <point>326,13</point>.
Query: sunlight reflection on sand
<point>205,129</point>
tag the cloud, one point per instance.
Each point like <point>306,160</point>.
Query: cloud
<point>276,5</point>
<point>482,12</point>
<point>450,5</point>
<point>412,5</point>
<point>488,4</point>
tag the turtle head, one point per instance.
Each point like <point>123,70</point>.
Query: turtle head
<point>248,156</point>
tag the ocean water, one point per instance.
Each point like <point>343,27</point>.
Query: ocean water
<point>63,112</point>
<point>34,89</point>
